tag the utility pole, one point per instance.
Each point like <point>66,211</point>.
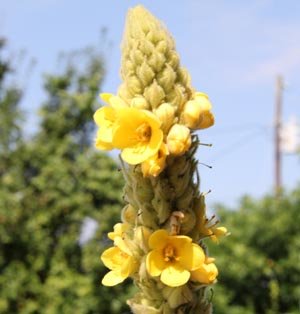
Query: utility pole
<point>277,129</point>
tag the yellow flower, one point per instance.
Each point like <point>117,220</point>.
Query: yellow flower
<point>155,164</point>
<point>114,101</point>
<point>207,273</point>
<point>119,231</point>
<point>138,134</point>
<point>197,112</point>
<point>179,139</point>
<point>173,258</point>
<point>105,118</point>
<point>120,261</point>
<point>218,232</point>
<point>208,227</point>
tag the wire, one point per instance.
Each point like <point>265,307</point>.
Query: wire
<point>242,141</point>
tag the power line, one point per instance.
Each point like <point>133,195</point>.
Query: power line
<point>242,141</point>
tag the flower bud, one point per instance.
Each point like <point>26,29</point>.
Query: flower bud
<point>179,139</point>
<point>129,214</point>
<point>188,222</point>
<point>177,296</point>
<point>197,112</point>
<point>139,102</point>
<point>166,114</point>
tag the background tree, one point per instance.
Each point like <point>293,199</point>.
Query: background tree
<point>260,261</point>
<point>49,185</point>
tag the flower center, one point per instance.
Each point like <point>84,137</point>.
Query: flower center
<point>144,132</point>
<point>170,254</point>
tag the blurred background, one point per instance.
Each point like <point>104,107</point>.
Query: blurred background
<point>59,197</point>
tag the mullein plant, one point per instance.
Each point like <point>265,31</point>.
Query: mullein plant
<point>152,120</point>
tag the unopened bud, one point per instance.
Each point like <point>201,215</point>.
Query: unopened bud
<point>129,214</point>
<point>139,102</point>
<point>197,112</point>
<point>179,139</point>
<point>166,114</point>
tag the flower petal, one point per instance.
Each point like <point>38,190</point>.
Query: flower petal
<point>155,141</point>
<point>128,266</point>
<point>126,135</point>
<point>112,258</point>
<point>191,256</point>
<point>155,263</point>
<point>112,278</point>
<point>103,145</point>
<point>134,155</point>
<point>158,239</point>
<point>106,96</point>
<point>117,102</point>
<point>121,244</point>
<point>174,275</point>
<point>104,115</point>
<point>119,230</point>
<point>206,274</point>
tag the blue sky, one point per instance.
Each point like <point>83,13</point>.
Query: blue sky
<point>233,50</point>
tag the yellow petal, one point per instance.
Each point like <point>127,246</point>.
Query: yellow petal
<point>134,155</point>
<point>116,102</point>
<point>128,266</point>
<point>126,135</point>
<point>105,97</point>
<point>119,230</point>
<point>155,263</point>
<point>207,120</point>
<point>121,244</point>
<point>152,119</point>
<point>206,274</point>
<point>201,94</point>
<point>174,275</point>
<point>155,141</point>
<point>112,258</point>
<point>104,115</point>
<point>158,239</point>
<point>178,242</point>
<point>104,134</point>
<point>191,256</point>
<point>112,278</point>
<point>103,145</point>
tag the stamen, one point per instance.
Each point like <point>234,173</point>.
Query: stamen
<point>170,254</point>
<point>144,132</point>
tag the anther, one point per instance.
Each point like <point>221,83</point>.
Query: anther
<point>206,165</point>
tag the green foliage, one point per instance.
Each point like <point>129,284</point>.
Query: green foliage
<point>259,262</point>
<point>48,185</point>
<point>9,111</point>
